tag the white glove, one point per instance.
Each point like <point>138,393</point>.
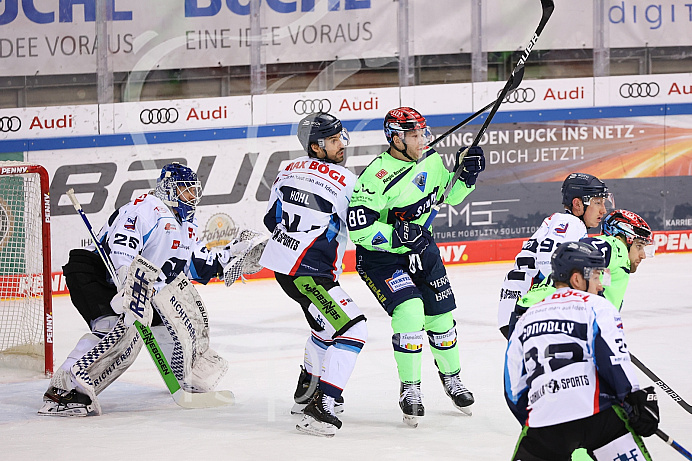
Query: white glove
<point>119,306</point>
<point>234,250</point>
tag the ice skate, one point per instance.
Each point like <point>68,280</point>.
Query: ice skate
<point>59,402</point>
<point>305,390</point>
<point>319,418</point>
<point>461,397</point>
<point>411,403</point>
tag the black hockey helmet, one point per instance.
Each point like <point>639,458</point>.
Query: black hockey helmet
<point>585,187</point>
<point>318,126</point>
<point>571,256</point>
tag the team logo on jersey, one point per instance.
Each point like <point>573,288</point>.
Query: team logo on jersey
<point>552,386</point>
<point>379,239</point>
<point>170,227</point>
<point>364,189</point>
<point>419,180</point>
<point>562,228</point>
<point>130,225</point>
<point>381,174</point>
<point>399,281</point>
<point>176,244</point>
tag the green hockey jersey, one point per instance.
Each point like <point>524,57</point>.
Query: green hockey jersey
<point>390,189</point>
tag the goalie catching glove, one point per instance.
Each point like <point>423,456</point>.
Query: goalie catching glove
<point>472,162</point>
<point>242,255</point>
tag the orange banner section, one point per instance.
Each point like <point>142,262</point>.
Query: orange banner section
<point>476,251</point>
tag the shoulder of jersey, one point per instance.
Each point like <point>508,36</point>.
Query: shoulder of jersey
<point>151,206</point>
<point>564,225</point>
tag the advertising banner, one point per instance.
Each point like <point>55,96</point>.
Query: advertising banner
<point>58,37</point>
<point>112,153</point>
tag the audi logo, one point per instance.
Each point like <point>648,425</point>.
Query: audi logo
<point>12,123</point>
<point>639,90</point>
<point>310,106</point>
<point>156,116</point>
<point>519,95</point>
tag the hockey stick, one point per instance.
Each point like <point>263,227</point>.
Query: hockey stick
<point>659,382</point>
<point>517,74</point>
<point>515,84</point>
<point>181,397</point>
<point>669,440</point>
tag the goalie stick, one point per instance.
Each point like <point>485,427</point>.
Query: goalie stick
<point>659,382</point>
<point>517,74</point>
<point>181,397</point>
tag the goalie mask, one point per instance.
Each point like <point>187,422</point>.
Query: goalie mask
<point>179,188</point>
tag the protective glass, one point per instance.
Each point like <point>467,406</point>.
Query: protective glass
<point>600,274</point>
<point>344,137</point>
<point>421,137</point>
<point>645,244</point>
<point>607,199</point>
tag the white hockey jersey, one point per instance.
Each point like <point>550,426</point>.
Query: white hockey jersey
<point>532,263</point>
<point>567,359</point>
<point>307,217</point>
<point>148,227</point>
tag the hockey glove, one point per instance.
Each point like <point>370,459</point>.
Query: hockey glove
<point>411,235</point>
<point>472,164</point>
<point>642,411</point>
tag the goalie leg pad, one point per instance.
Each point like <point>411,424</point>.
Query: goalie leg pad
<point>107,360</point>
<point>185,340</point>
<point>206,373</point>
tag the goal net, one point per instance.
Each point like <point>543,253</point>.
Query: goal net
<point>26,317</point>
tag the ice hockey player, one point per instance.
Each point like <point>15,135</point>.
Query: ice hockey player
<point>625,243</point>
<point>307,217</point>
<point>569,380</point>
<point>585,198</point>
<point>396,256</point>
<point>161,227</point>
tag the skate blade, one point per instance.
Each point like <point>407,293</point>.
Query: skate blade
<point>411,421</point>
<point>51,410</point>
<point>298,408</point>
<point>465,410</point>
<point>310,425</point>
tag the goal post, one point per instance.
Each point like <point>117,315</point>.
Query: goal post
<point>26,312</point>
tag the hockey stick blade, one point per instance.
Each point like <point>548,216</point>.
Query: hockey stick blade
<point>659,382</point>
<point>212,399</point>
<point>669,440</point>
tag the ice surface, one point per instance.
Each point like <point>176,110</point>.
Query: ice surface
<point>262,333</point>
